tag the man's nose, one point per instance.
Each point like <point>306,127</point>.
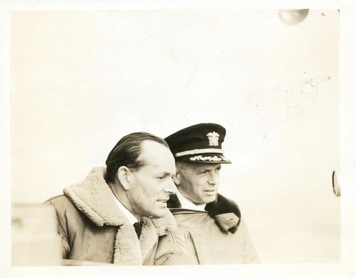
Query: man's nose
<point>170,187</point>
<point>213,178</point>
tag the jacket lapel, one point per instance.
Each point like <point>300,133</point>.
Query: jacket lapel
<point>127,250</point>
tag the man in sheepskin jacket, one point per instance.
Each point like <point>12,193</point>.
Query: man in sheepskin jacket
<point>118,214</point>
<point>210,227</point>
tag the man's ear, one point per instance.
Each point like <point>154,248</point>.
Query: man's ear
<point>124,175</point>
<point>177,177</point>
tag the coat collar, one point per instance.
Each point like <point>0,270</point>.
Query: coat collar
<point>94,198</point>
<point>225,212</point>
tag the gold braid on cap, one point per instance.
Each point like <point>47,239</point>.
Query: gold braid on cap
<point>199,151</point>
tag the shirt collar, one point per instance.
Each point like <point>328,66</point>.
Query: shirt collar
<point>187,204</point>
<point>130,217</point>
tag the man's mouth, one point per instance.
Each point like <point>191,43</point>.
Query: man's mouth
<point>210,192</point>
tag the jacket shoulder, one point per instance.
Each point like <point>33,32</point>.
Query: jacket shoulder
<point>60,202</point>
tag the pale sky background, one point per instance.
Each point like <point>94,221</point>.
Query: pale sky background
<point>80,80</point>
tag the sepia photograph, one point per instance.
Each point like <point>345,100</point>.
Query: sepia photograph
<point>194,139</point>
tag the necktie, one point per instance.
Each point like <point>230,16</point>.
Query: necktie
<point>138,228</point>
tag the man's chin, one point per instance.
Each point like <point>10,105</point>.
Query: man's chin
<point>210,199</point>
<point>159,214</point>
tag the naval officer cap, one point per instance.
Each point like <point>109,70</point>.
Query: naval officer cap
<point>201,143</point>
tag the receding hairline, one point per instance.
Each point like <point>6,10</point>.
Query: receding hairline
<point>143,150</point>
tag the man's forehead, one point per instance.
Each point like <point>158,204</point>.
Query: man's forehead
<point>159,169</point>
<point>152,151</point>
<point>158,158</point>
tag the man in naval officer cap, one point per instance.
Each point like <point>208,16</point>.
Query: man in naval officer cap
<point>211,229</point>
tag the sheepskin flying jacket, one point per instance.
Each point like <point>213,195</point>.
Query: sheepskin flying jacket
<point>93,228</point>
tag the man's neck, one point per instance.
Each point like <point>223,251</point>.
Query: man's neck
<point>188,204</point>
<point>124,204</point>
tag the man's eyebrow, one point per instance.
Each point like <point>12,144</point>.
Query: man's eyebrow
<point>201,168</point>
<point>206,168</point>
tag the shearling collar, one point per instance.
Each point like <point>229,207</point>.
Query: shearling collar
<point>95,199</point>
<point>225,212</point>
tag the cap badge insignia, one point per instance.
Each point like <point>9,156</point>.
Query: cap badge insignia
<point>213,138</point>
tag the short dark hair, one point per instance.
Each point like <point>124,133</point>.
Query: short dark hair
<point>126,153</point>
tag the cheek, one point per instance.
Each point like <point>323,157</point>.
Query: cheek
<point>136,196</point>
<point>200,182</point>
<point>193,185</point>
<point>151,190</point>
<point>196,186</point>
